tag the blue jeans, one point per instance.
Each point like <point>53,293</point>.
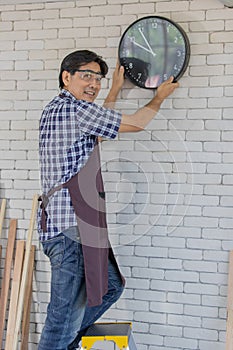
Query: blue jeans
<point>68,313</point>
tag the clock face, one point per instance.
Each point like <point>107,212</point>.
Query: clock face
<point>152,49</point>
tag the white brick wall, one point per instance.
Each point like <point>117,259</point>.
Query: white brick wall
<point>169,188</point>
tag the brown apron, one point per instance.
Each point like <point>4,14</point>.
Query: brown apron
<point>88,199</point>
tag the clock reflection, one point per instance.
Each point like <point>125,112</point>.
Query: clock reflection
<point>140,71</point>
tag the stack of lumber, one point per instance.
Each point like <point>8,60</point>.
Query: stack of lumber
<point>16,284</point>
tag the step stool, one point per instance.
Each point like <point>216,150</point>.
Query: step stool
<point>120,333</point>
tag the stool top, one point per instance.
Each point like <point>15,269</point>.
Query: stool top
<point>109,329</point>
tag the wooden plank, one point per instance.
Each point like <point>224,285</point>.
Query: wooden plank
<point>27,303</point>
<point>25,272</point>
<point>229,330</point>
<point>2,214</point>
<point>14,293</point>
<point>7,275</point>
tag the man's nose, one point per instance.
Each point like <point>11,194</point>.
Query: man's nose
<point>94,82</point>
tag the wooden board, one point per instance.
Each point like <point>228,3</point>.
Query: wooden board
<point>27,302</point>
<point>2,214</point>
<point>7,275</point>
<point>14,293</point>
<point>25,272</point>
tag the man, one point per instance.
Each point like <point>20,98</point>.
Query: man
<point>85,278</point>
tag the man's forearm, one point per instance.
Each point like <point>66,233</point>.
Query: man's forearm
<point>141,118</point>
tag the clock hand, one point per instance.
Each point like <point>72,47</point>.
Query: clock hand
<point>144,48</point>
<point>151,51</point>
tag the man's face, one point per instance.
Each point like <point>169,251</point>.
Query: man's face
<point>85,84</point>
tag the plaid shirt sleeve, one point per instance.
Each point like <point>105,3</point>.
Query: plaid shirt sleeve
<point>98,121</point>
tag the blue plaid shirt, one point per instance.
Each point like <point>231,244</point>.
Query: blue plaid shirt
<point>68,132</point>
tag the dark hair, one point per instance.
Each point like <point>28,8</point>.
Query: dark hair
<point>76,59</point>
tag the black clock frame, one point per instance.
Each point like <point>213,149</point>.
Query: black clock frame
<point>186,43</point>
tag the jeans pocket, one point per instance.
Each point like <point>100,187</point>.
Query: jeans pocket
<point>54,249</point>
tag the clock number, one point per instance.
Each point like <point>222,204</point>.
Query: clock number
<point>154,25</point>
<point>176,40</point>
<point>165,77</point>
<point>139,75</point>
<point>130,65</point>
<point>175,67</point>
<point>178,53</point>
<point>132,39</point>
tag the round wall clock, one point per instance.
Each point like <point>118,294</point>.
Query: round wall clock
<point>152,49</point>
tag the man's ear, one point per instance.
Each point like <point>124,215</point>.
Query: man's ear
<point>65,78</point>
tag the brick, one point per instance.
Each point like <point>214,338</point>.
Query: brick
<point>212,278</point>
<point>208,70</point>
<point>60,4</point>
<point>207,26</point>
<point>223,102</point>
<point>204,344</point>
<point>153,317</point>
<point>105,32</point>
<point>183,342</point>
<point>29,6</point>
<point>219,59</point>
<point>202,200</point>
<point>220,36</point>
<point>200,49</point>
<point>168,6</point>
<point>44,14</point>
<point>223,81</point>
<point>106,10</point>
<point>71,32</point>
<point>29,44</point>
<point>13,35</point>
<point>188,321</point>
<point>28,25</point>
<point>187,16</point>
<point>42,34</point>
<point>57,23</point>
<point>6,26</point>
<point>74,12</point>
<point>88,22</point>
<point>138,8</point>
<point>135,305</point>
<point>203,136</point>
<point>216,14</point>
<point>171,308</point>
<point>182,276</point>
<point>198,333</point>
<point>167,285</point>
<point>119,20</point>
<point>15,15</point>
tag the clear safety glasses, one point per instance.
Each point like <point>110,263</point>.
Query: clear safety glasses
<point>89,75</point>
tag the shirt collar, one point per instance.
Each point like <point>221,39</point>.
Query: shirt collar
<point>66,93</point>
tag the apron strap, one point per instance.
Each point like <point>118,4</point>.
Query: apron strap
<point>44,199</point>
